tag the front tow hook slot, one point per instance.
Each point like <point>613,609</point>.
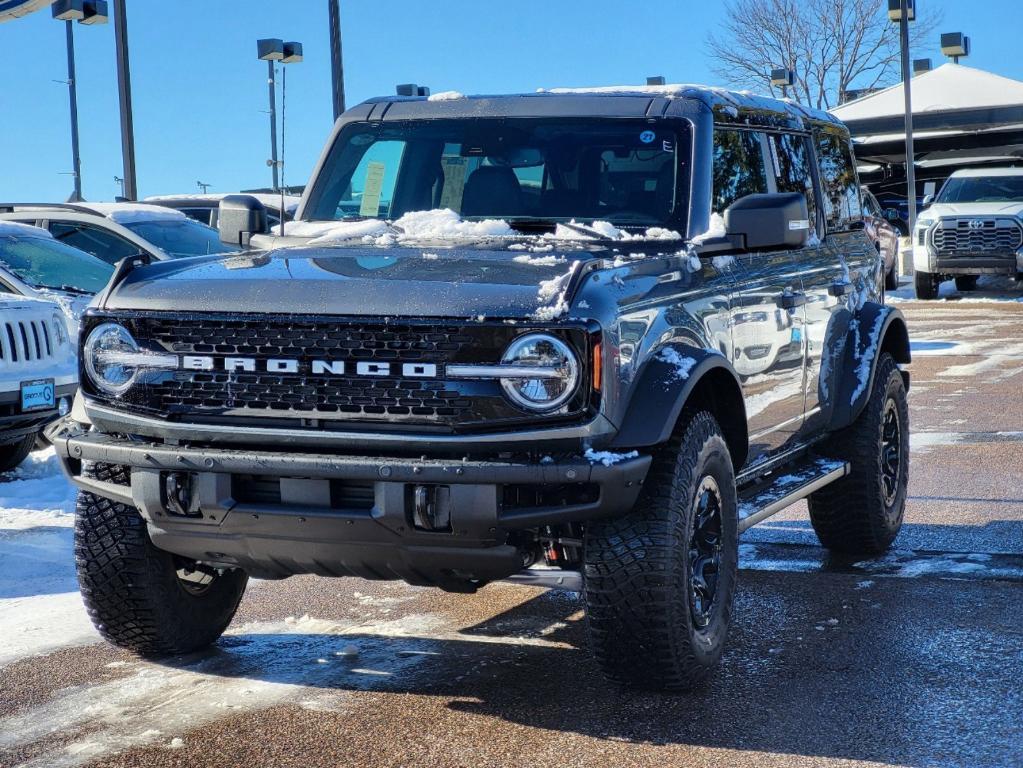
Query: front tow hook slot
<point>431,508</point>
<point>179,494</point>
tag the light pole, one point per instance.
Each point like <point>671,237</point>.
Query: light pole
<point>904,11</point>
<point>337,67</point>
<point>131,191</point>
<point>84,12</point>
<point>272,50</point>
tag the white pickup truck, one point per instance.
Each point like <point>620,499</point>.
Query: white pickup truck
<point>974,227</point>
<point>38,373</point>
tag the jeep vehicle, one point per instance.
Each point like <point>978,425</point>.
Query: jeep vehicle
<point>497,343</point>
<point>38,373</point>
<point>973,227</point>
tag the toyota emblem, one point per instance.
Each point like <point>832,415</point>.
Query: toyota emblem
<point>976,224</point>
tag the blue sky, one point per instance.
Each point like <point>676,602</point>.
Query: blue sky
<point>200,93</point>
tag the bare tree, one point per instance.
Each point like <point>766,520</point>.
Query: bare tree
<point>832,46</point>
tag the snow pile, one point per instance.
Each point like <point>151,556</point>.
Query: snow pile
<point>446,96</point>
<point>607,458</point>
<point>608,230</point>
<point>716,229</point>
<point>17,229</point>
<point>540,261</point>
<point>553,296</point>
<point>864,358</point>
<point>445,223</point>
<point>324,232</point>
<point>683,363</point>
<point>130,213</point>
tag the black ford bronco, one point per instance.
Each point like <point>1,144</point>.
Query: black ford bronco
<point>580,339</point>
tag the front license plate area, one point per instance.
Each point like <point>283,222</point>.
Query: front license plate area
<point>37,395</point>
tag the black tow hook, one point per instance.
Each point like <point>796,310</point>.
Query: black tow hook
<point>179,494</point>
<point>431,507</point>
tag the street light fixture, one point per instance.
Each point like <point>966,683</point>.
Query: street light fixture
<point>783,78</point>
<point>84,12</point>
<point>922,65</point>
<point>903,12</point>
<point>955,45</point>
<point>271,50</point>
<point>897,9</point>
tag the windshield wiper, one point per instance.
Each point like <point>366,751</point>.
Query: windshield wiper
<point>69,289</point>
<point>529,225</point>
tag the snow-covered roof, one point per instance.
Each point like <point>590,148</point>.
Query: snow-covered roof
<point>987,173</point>
<point>949,87</point>
<point>127,213</point>
<point>18,229</point>
<point>268,199</point>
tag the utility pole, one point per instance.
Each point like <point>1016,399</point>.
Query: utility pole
<point>72,87</point>
<point>904,6</point>
<point>124,97</point>
<point>337,66</point>
<point>272,81</point>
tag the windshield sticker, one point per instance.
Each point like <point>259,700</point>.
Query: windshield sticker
<point>371,193</point>
<point>454,182</point>
<point>647,137</point>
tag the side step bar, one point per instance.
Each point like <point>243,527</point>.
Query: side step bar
<point>787,489</point>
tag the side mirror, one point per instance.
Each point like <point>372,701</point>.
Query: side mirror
<point>768,221</point>
<point>239,217</point>
<point>928,199</point>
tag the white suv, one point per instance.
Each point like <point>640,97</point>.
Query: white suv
<point>38,373</point>
<point>974,227</point>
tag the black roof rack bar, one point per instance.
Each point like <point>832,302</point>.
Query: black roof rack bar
<point>19,207</point>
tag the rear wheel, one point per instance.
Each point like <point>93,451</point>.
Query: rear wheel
<point>659,581</point>
<point>862,513</point>
<point>140,597</point>
<point>966,283</point>
<point>12,454</point>
<point>926,285</point>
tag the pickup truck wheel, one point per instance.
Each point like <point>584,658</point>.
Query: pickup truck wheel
<point>659,580</point>
<point>139,597</point>
<point>926,285</point>
<point>862,513</point>
<point>966,283</point>
<point>12,454</point>
<point>891,278</point>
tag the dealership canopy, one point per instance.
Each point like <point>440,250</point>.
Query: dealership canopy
<point>961,115</point>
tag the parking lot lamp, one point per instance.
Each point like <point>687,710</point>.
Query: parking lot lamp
<point>783,78</point>
<point>84,12</point>
<point>903,12</point>
<point>955,45</point>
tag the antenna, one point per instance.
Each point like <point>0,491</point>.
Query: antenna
<point>203,186</point>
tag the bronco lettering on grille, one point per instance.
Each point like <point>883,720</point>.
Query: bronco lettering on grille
<point>315,367</point>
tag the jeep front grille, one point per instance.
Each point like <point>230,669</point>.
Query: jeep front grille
<point>328,401</point>
<point>25,341</point>
<point>958,238</point>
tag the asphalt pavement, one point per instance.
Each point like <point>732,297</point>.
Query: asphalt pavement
<point>910,659</point>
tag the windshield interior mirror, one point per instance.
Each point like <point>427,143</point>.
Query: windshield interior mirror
<point>239,218</point>
<point>768,221</point>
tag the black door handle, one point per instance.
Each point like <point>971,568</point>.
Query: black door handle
<point>791,300</point>
<point>840,288</point>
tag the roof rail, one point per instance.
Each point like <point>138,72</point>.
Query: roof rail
<point>18,207</point>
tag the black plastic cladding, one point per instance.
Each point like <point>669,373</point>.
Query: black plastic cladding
<point>457,405</point>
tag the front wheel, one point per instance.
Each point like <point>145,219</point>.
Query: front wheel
<point>12,454</point>
<point>659,581</point>
<point>926,285</point>
<point>140,597</point>
<point>862,513</point>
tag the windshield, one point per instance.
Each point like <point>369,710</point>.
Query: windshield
<point>627,172</point>
<point>982,189</point>
<point>180,237</point>
<point>45,263</point>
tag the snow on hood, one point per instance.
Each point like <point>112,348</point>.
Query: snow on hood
<point>715,229</point>
<point>129,213</point>
<point>974,209</point>
<point>10,301</point>
<point>419,225</point>
<point>17,229</point>
<point>325,232</point>
<point>611,232</point>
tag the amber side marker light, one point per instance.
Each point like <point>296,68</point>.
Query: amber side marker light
<point>598,365</point>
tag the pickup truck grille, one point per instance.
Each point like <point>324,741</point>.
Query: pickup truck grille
<point>322,399</point>
<point>978,236</point>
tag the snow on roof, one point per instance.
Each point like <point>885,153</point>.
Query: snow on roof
<point>446,96</point>
<point>949,87</point>
<point>268,199</point>
<point>17,229</point>
<point>987,173</point>
<point>127,213</point>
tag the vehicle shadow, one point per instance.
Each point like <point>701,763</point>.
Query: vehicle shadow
<point>37,561</point>
<point>815,666</point>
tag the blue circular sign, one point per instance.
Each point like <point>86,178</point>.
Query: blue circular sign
<point>647,137</point>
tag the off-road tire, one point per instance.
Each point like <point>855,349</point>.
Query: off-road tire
<point>131,589</point>
<point>926,285</point>
<point>853,514</point>
<point>637,569</point>
<point>966,283</point>
<point>891,278</point>
<point>12,454</point>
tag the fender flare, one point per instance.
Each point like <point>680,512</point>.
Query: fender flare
<point>876,328</point>
<point>671,376</point>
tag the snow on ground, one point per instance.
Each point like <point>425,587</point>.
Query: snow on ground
<point>40,609</point>
<point>990,290</point>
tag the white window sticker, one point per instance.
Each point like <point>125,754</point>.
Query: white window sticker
<point>797,225</point>
<point>371,192</point>
<point>454,182</point>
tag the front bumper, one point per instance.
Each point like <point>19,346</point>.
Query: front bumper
<point>18,425</point>
<point>307,522</point>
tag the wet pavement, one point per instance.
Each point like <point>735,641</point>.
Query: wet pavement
<point>911,659</point>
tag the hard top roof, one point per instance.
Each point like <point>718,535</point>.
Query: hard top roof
<point>605,101</point>
<point>986,173</point>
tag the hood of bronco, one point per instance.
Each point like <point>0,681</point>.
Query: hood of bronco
<point>365,281</point>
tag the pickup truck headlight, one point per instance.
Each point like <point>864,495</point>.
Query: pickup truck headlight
<point>107,350</point>
<point>549,372</point>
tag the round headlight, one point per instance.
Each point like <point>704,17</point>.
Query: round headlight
<point>105,344</point>
<point>550,372</point>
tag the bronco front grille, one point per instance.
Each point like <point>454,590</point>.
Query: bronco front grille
<point>319,399</point>
<point>978,236</point>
